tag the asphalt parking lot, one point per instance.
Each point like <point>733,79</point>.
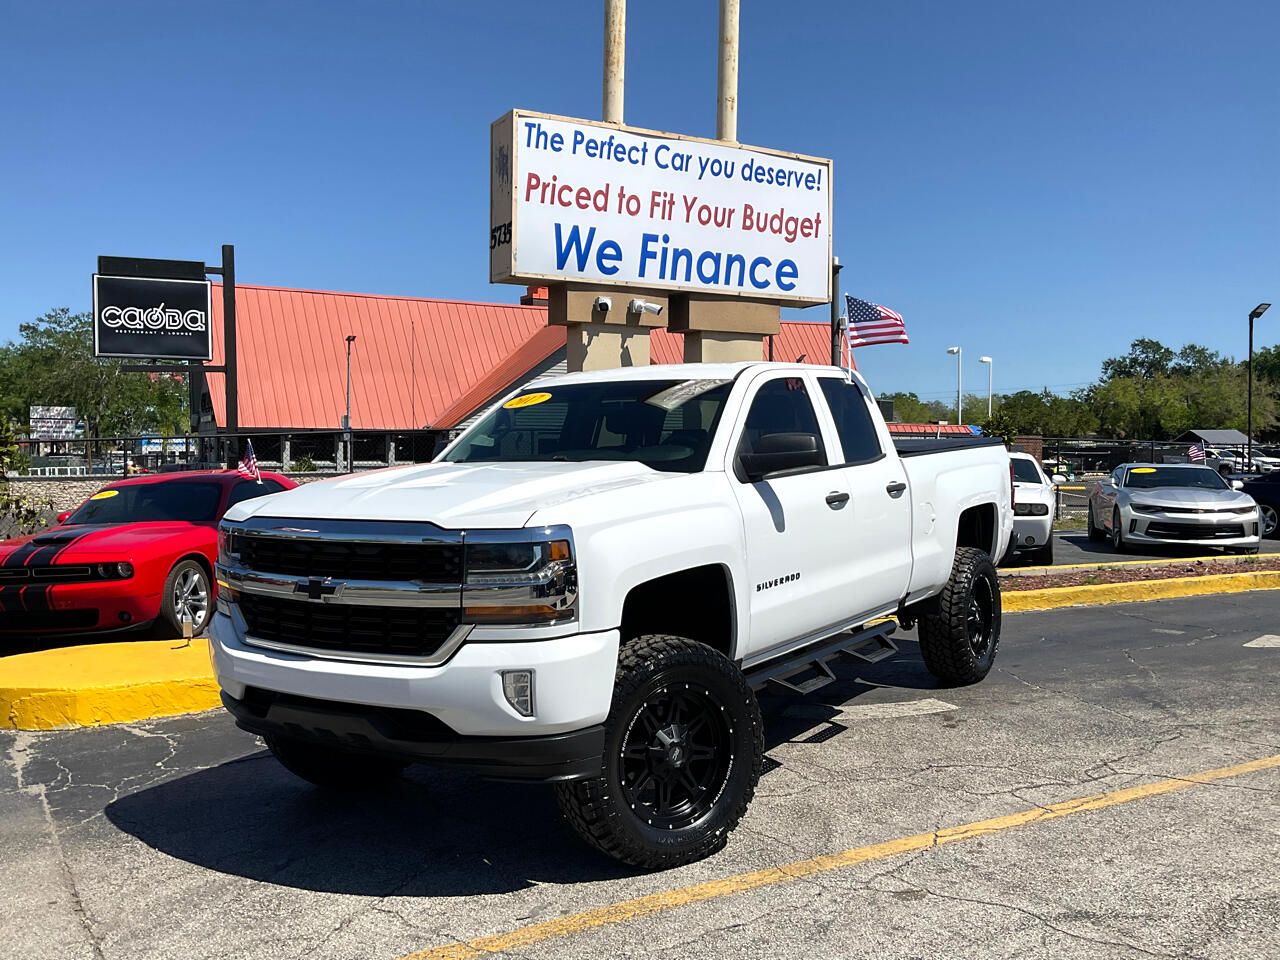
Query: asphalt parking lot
<point>1074,546</point>
<point>183,839</point>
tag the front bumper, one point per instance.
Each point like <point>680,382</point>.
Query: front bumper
<point>416,736</point>
<point>573,680</point>
<point>1032,532</point>
<point>1191,529</point>
<point>74,608</point>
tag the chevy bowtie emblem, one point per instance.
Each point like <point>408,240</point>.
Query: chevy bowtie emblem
<point>317,588</point>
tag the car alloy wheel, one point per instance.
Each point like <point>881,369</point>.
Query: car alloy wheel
<point>1269,519</point>
<point>191,596</point>
<point>1117,534</point>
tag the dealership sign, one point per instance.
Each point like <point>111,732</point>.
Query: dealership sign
<point>53,423</point>
<point>575,201</point>
<point>152,318</point>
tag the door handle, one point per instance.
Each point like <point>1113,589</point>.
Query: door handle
<point>895,489</point>
<point>837,500</point>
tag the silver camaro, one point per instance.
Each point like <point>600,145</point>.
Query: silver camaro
<point>1147,503</point>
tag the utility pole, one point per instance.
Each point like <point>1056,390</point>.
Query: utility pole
<point>727,75</point>
<point>1254,314</point>
<point>346,419</point>
<point>959,355</point>
<point>615,58</point>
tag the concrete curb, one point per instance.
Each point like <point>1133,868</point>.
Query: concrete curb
<point>105,683</point>
<point>1100,594</point>
<point>1211,561</point>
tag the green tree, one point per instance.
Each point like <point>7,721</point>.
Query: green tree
<point>1145,360</point>
<point>52,363</point>
<point>999,425</point>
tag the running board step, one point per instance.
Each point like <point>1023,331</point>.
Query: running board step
<point>872,649</point>
<point>822,676</point>
<point>869,644</point>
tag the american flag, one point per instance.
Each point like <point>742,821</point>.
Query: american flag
<point>249,464</point>
<point>1195,453</point>
<point>870,323</point>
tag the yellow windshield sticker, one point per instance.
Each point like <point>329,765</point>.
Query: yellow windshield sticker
<point>105,494</point>
<point>1143,470</point>
<point>528,400</point>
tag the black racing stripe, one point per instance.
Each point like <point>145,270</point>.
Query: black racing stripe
<point>48,548</point>
<point>19,557</point>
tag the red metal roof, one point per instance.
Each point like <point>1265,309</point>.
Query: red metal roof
<point>931,429</point>
<point>416,361</point>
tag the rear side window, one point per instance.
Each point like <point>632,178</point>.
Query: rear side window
<point>853,420</point>
<point>780,406</point>
<point>249,489</point>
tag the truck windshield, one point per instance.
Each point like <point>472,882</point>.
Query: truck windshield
<point>664,424</point>
<point>1147,478</point>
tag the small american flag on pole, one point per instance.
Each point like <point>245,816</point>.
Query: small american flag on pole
<point>870,323</point>
<point>1195,453</point>
<point>249,464</point>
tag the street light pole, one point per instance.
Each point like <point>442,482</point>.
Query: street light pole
<point>991,367</point>
<point>959,354</point>
<point>346,419</point>
<point>1254,314</point>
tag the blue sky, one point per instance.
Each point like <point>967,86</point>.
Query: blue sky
<point>1040,182</point>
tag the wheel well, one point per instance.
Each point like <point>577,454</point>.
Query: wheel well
<point>695,603</point>
<point>201,559</point>
<point>978,528</point>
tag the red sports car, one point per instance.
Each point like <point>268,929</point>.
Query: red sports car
<point>138,551</point>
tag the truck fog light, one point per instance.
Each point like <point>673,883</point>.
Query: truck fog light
<point>517,687</point>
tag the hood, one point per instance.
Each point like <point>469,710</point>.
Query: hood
<point>1026,491</point>
<point>102,540</point>
<point>1187,497</point>
<point>450,495</point>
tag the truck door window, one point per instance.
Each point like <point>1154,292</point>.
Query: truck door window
<point>780,406</point>
<point>854,425</point>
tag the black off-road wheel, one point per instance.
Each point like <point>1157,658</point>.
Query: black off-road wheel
<point>684,746</point>
<point>959,639</point>
<point>332,768</point>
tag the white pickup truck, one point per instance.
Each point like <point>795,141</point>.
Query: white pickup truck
<point>588,585</point>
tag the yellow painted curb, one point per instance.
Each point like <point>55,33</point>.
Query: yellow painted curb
<point>1053,598</point>
<point>105,683</point>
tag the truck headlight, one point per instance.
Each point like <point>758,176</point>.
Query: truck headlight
<point>519,581</point>
<point>229,540</point>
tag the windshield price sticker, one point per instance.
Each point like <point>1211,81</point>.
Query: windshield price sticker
<point>682,393</point>
<point>528,400</point>
<point>104,495</point>
<point>1143,470</point>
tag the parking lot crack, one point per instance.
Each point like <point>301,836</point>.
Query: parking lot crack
<point>1045,921</point>
<point>19,756</point>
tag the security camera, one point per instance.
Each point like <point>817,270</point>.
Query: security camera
<point>602,305</point>
<point>644,306</point>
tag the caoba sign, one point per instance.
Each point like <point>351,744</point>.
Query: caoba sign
<point>151,318</point>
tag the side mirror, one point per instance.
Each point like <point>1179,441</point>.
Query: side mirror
<point>777,452</point>
<point>64,516</point>
<point>1237,484</point>
<point>1058,478</point>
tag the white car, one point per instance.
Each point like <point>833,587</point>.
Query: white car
<point>587,586</point>
<point>1034,499</point>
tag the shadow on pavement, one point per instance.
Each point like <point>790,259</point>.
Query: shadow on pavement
<point>437,833</point>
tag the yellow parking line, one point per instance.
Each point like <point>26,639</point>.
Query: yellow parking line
<point>701,892</point>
